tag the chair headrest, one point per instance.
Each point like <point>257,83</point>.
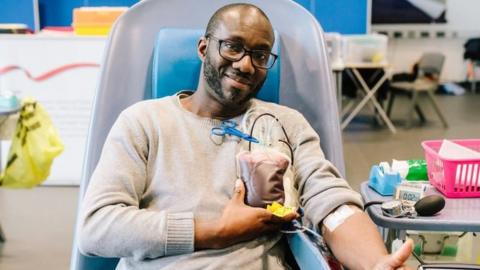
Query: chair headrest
<point>176,65</point>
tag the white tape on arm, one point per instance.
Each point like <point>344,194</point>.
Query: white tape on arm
<point>337,217</point>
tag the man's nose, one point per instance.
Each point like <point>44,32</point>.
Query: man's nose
<point>244,65</point>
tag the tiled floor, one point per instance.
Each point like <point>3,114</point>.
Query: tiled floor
<point>38,223</point>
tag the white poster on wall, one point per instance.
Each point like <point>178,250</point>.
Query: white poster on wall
<point>409,11</point>
<point>61,73</point>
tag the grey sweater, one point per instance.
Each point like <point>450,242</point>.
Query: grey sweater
<point>160,168</point>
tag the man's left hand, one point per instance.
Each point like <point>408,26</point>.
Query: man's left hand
<point>396,261</point>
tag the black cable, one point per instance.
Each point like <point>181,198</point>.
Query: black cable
<point>283,130</point>
<point>274,117</point>
<point>368,204</point>
<point>422,262</point>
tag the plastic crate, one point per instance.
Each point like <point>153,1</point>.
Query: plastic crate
<point>455,178</point>
<point>92,30</point>
<point>365,48</point>
<point>95,20</point>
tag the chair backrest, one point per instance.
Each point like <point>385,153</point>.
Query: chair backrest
<point>126,76</point>
<point>176,65</point>
<point>431,64</point>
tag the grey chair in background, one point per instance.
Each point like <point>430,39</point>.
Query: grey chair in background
<point>426,82</point>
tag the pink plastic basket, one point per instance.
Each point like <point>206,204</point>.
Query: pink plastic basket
<point>455,178</point>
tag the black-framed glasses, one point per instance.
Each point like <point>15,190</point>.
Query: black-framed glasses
<point>234,51</point>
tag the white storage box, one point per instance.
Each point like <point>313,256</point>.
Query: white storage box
<point>365,48</point>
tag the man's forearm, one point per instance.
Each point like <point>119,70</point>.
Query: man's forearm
<point>206,235</point>
<point>356,243</point>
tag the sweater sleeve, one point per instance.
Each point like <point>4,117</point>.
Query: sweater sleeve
<point>320,185</point>
<point>112,222</point>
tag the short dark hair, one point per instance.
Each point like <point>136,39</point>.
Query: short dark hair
<point>217,16</point>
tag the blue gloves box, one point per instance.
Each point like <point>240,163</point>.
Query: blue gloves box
<point>383,182</point>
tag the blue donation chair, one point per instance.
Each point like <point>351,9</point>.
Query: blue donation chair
<point>139,65</point>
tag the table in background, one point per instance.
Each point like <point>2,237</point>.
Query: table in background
<point>460,215</point>
<point>352,70</point>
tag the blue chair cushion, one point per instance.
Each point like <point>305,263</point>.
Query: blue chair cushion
<point>176,65</point>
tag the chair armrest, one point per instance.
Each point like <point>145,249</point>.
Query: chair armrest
<point>306,252</point>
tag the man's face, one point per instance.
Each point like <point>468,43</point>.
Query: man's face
<point>235,83</point>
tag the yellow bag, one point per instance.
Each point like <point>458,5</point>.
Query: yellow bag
<point>34,146</point>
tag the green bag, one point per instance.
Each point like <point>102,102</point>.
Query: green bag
<point>34,146</point>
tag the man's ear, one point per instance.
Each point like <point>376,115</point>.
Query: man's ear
<point>202,48</point>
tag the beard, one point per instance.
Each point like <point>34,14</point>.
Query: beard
<point>232,97</point>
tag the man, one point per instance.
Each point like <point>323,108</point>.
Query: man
<point>164,194</point>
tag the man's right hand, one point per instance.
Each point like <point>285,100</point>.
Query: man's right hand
<point>239,222</point>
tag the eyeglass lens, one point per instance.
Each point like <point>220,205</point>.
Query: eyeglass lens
<point>235,51</point>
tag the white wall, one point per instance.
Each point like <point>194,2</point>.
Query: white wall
<point>402,53</point>
<point>463,18</point>
<point>67,97</point>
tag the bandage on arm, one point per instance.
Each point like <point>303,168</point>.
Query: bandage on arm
<point>338,216</point>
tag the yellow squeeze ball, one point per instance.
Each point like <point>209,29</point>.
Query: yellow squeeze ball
<point>279,210</point>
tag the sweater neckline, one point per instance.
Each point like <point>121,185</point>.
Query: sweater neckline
<point>205,120</point>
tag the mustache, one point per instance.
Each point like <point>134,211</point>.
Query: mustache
<point>241,76</point>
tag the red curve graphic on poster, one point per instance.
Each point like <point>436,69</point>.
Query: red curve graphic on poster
<point>47,75</point>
